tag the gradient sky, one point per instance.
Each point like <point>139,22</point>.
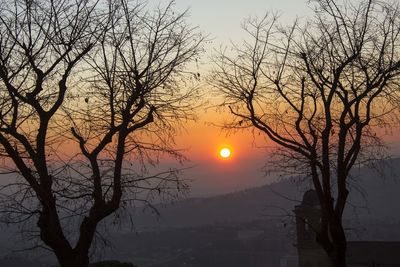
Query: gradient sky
<point>221,20</point>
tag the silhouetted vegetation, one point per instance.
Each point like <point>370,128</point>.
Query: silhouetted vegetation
<point>90,94</point>
<point>318,91</point>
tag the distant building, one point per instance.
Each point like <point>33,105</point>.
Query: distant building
<point>359,253</point>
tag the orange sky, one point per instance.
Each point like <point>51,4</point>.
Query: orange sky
<point>211,174</point>
<point>201,139</point>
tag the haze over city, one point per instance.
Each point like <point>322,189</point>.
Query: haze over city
<point>199,133</point>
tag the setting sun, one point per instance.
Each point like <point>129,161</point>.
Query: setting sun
<point>225,152</point>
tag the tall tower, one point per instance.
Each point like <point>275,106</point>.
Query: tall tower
<point>308,222</point>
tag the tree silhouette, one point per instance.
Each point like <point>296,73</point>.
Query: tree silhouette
<point>319,92</point>
<point>89,92</point>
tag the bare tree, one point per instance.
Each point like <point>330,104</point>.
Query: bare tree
<point>321,92</point>
<point>89,94</point>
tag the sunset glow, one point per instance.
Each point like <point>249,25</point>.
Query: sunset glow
<point>225,152</point>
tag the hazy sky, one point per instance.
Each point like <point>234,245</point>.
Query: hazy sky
<point>221,20</point>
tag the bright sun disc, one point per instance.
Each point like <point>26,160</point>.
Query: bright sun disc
<point>225,152</point>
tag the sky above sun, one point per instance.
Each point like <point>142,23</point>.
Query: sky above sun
<point>203,140</point>
<point>221,161</point>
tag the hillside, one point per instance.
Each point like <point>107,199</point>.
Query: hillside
<point>373,195</point>
<point>193,224</point>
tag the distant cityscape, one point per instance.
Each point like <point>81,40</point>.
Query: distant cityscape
<point>237,229</point>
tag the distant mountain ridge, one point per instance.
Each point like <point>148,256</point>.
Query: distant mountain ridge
<point>254,204</point>
<point>372,195</point>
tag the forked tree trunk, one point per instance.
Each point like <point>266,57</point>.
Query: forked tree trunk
<point>72,259</point>
<point>66,255</point>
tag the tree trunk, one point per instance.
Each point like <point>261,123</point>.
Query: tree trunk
<point>332,239</point>
<point>338,253</point>
<point>338,258</point>
<point>52,235</point>
<point>72,259</point>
